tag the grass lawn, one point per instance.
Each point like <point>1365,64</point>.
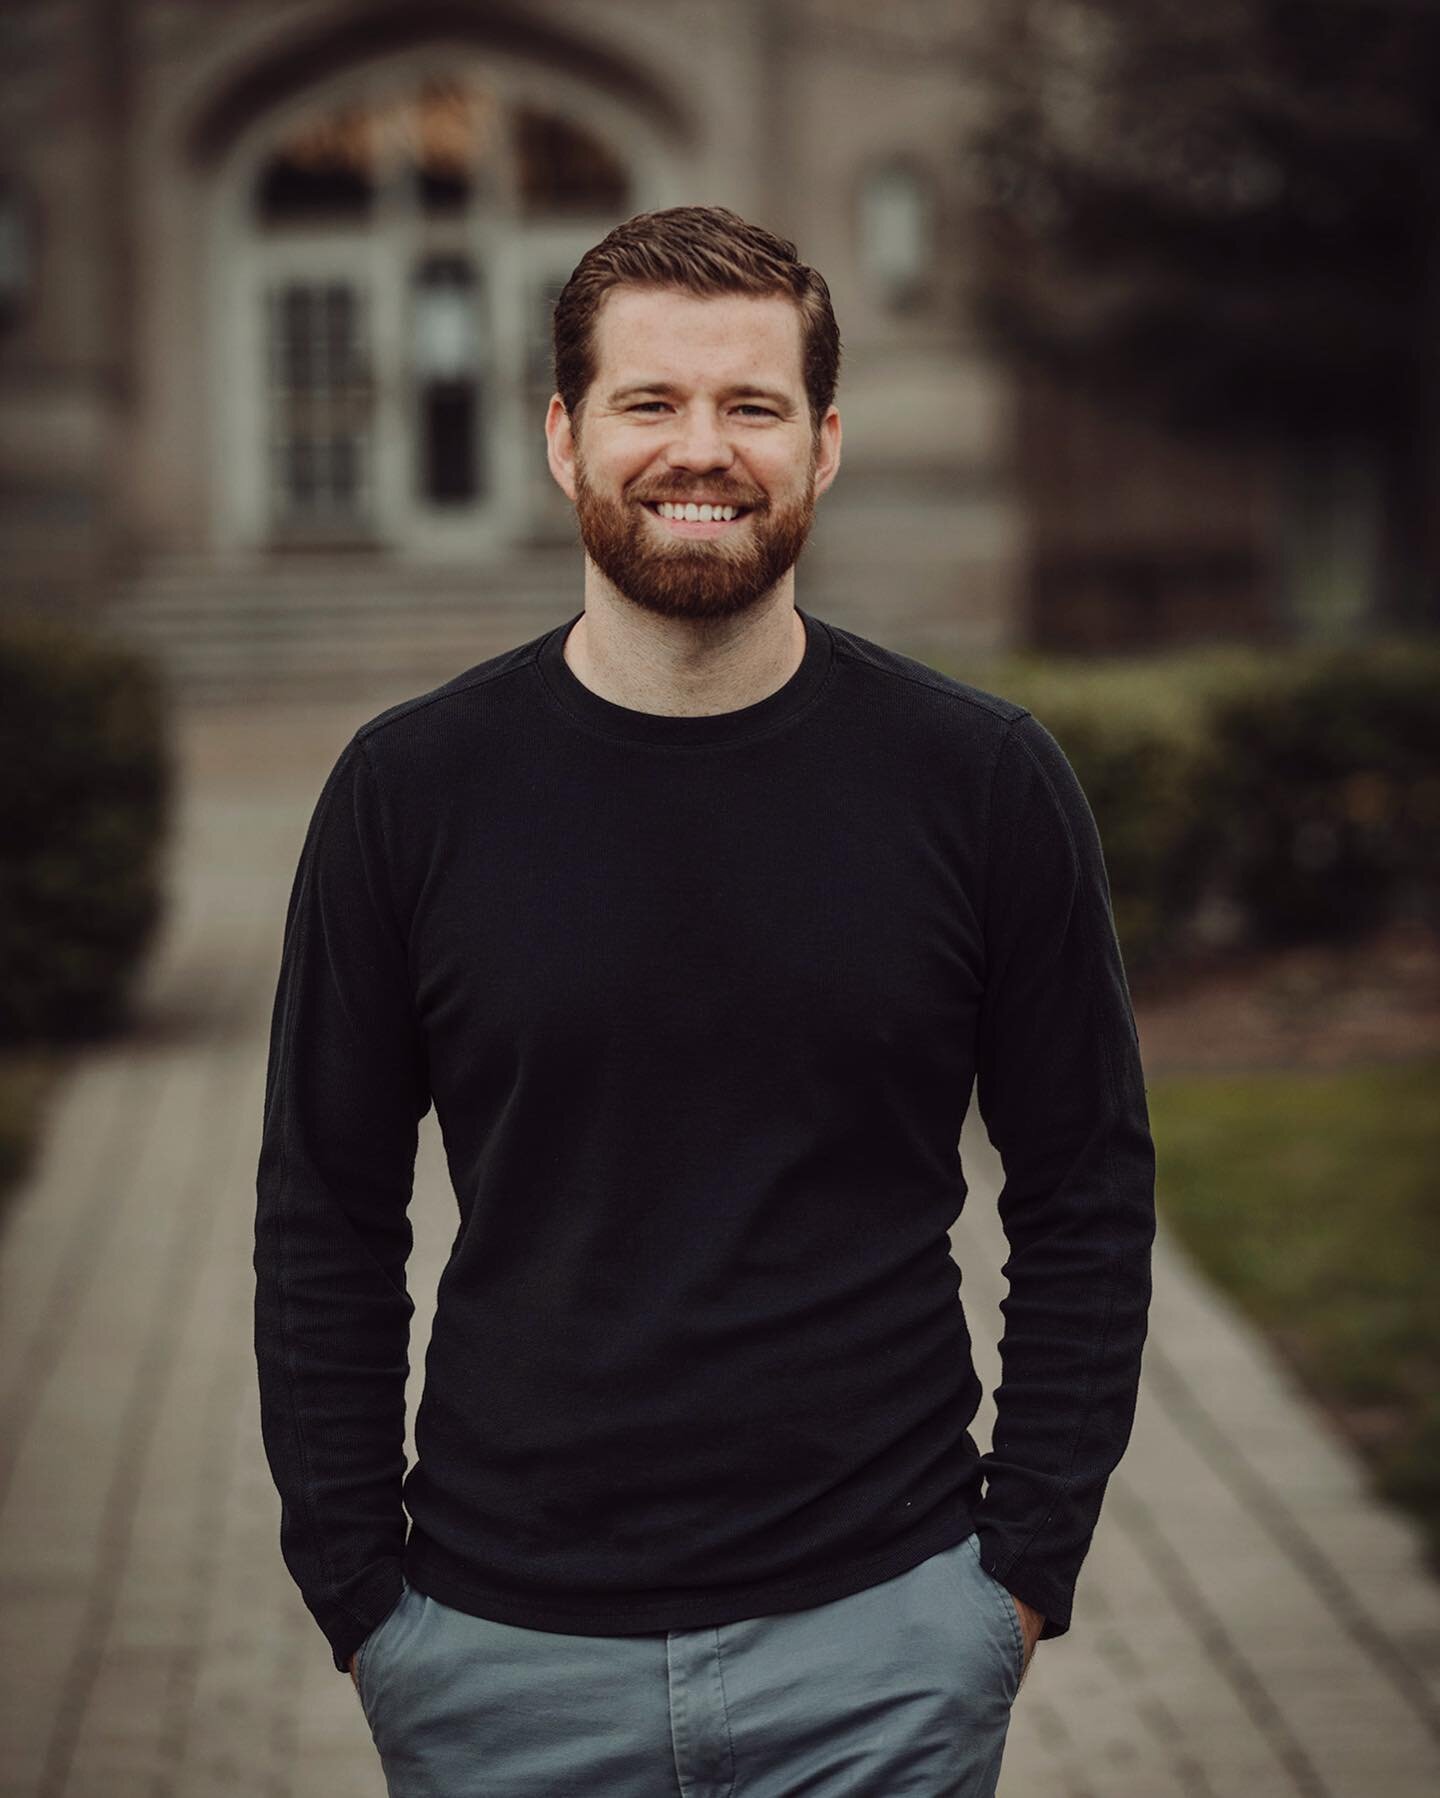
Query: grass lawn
<point>1313,1198</point>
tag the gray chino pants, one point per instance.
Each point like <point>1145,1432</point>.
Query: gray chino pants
<point>900,1691</point>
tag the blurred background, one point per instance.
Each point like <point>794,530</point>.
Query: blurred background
<point>1141,396</point>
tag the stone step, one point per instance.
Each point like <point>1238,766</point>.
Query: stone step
<point>248,630</point>
<point>246,662</point>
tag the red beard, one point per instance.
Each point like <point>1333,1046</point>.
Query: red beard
<point>717,577</point>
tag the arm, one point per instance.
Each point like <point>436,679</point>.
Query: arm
<point>346,1086</point>
<point>1062,1096</point>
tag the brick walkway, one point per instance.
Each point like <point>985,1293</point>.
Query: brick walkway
<point>1250,1622</point>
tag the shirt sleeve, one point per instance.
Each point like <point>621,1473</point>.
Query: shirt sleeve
<point>346,1087</point>
<point>1062,1095</point>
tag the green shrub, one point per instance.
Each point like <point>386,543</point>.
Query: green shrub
<point>1136,730</point>
<point>84,812</point>
<point>1298,787</point>
<point>1329,776</point>
<point>27,1079</point>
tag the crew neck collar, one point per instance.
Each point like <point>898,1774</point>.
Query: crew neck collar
<point>607,719</point>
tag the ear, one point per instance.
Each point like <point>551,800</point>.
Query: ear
<point>560,446</point>
<point>827,456</point>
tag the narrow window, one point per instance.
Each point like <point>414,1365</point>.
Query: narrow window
<point>897,234</point>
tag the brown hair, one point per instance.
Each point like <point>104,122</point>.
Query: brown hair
<point>701,250</point>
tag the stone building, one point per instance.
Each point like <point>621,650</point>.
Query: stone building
<point>275,279</point>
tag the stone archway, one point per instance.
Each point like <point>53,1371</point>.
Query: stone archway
<point>386,239</point>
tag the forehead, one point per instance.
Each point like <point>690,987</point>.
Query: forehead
<point>643,333</point>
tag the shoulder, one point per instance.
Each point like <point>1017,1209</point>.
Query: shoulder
<point>473,724</point>
<point>1029,771</point>
<point>485,688</point>
<point>918,685</point>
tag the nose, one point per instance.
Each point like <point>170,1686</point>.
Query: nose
<point>698,442</point>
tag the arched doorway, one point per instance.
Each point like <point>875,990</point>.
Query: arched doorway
<point>383,268</point>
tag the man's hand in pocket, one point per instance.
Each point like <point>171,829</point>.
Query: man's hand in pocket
<point>1031,1623</point>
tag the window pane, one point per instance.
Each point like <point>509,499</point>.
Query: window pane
<point>320,407</point>
<point>563,169</point>
<point>446,319</point>
<point>449,442</point>
<point>448,131</point>
<point>896,232</point>
<point>324,168</point>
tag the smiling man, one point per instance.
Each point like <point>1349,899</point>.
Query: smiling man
<point>696,488</point>
<point>697,919</point>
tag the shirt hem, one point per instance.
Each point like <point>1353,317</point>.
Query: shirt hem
<point>430,1569</point>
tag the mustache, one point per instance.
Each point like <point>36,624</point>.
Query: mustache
<point>705,495</point>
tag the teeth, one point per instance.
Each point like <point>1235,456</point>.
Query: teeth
<point>693,514</point>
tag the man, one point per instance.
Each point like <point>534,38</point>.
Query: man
<point>697,918</point>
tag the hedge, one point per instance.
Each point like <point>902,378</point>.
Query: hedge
<point>1293,791</point>
<point>85,811</point>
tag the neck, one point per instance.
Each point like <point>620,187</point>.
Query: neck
<point>684,667</point>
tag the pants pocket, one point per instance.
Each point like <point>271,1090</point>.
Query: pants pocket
<point>372,1641</point>
<point>1000,1595</point>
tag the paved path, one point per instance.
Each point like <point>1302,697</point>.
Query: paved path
<point>1249,1623</point>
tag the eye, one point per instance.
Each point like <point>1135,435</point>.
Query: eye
<point>764,411</point>
<point>646,405</point>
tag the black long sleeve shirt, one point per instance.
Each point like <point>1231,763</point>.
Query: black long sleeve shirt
<point>699,1003</point>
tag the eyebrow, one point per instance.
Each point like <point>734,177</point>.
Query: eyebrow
<point>784,400</point>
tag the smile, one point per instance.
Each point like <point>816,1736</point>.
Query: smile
<point>691,520</point>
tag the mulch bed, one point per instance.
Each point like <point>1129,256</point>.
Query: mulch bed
<point>1304,1006</point>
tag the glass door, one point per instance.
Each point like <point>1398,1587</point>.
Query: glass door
<point>449,403</point>
<point>542,263</point>
<point>320,393</point>
<point>383,359</point>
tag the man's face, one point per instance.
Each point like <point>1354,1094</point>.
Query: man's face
<point>698,400</point>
